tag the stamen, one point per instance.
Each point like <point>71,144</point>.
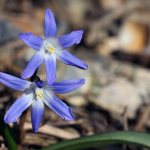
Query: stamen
<point>51,49</point>
<point>39,93</point>
<point>50,45</point>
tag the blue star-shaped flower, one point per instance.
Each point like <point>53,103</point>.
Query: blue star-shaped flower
<point>51,47</point>
<point>36,94</point>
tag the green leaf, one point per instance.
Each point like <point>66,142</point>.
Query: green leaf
<point>7,135</point>
<point>119,137</point>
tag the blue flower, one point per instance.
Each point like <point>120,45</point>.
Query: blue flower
<point>37,94</point>
<point>51,47</point>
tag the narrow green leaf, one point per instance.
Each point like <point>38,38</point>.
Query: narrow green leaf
<point>7,135</point>
<point>118,137</point>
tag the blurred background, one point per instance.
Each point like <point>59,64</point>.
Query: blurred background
<point>115,45</point>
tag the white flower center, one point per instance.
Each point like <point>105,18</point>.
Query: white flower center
<point>50,45</point>
<point>39,93</point>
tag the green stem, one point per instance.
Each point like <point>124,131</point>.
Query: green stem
<point>119,137</point>
<point>7,135</point>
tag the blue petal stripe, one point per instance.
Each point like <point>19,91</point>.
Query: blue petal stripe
<point>59,107</point>
<point>72,38</point>
<point>14,82</point>
<point>67,86</point>
<point>50,63</point>
<point>70,59</point>
<point>50,28</point>
<point>31,40</point>
<point>34,63</point>
<point>17,108</point>
<point>37,114</point>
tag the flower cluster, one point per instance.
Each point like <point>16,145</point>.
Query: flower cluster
<point>37,93</point>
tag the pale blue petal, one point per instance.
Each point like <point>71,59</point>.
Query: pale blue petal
<point>34,63</point>
<point>72,38</point>
<point>31,40</point>
<point>64,61</point>
<point>59,107</point>
<point>67,86</point>
<point>20,105</point>
<point>14,82</point>
<point>50,63</point>
<point>37,114</point>
<point>50,28</point>
<point>70,59</point>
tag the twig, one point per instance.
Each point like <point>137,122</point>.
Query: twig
<point>125,119</point>
<point>57,132</point>
<point>21,129</point>
<point>143,119</point>
<point>98,26</point>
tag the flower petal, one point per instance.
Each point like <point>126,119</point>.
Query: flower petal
<point>31,40</point>
<point>59,107</point>
<point>70,59</point>
<point>67,86</point>
<point>50,63</point>
<point>72,38</point>
<point>50,28</point>
<point>14,82</point>
<point>37,114</point>
<point>34,63</point>
<point>18,107</point>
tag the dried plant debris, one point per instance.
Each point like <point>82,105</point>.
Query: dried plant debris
<point>115,45</point>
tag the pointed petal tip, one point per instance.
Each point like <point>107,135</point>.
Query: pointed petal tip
<point>13,82</point>
<point>71,38</point>
<point>6,120</point>
<point>79,34</point>
<point>1,73</point>
<point>31,40</point>
<point>22,34</point>
<point>35,130</point>
<point>82,81</point>
<point>37,114</point>
<point>48,10</point>
<point>85,67</point>
<point>17,108</point>
<point>70,116</point>
<point>67,86</point>
<point>50,28</point>
<point>58,106</point>
<point>69,59</point>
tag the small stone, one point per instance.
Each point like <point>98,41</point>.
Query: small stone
<point>111,4</point>
<point>117,96</point>
<point>133,37</point>
<point>74,132</point>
